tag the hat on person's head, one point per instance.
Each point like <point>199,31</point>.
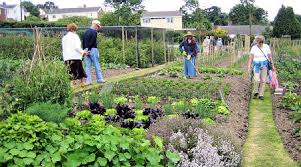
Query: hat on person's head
<point>96,22</point>
<point>189,34</point>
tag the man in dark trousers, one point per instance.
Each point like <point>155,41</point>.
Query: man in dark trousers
<point>90,43</point>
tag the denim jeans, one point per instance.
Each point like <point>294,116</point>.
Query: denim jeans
<point>93,58</point>
<point>189,70</point>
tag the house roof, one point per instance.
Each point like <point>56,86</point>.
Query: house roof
<point>7,6</point>
<point>73,10</point>
<point>244,29</point>
<point>162,14</point>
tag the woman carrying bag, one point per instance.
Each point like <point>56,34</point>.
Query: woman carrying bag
<point>260,62</point>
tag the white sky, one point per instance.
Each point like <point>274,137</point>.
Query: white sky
<point>272,6</point>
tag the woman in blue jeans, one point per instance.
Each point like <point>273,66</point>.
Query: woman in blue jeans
<point>90,43</point>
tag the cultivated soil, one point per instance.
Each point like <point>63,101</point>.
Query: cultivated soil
<point>286,128</point>
<point>112,72</point>
<point>237,100</point>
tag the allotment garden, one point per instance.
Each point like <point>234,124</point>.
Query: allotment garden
<point>146,114</point>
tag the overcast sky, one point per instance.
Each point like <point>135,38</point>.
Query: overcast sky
<point>272,6</point>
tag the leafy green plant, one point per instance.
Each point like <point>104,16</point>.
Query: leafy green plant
<point>107,99</point>
<point>153,101</point>
<point>181,106</point>
<point>120,100</point>
<point>84,115</point>
<point>138,103</point>
<point>48,112</point>
<point>208,121</point>
<point>45,82</point>
<point>168,109</point>
<point>206,108</point>
<point>111,112</point>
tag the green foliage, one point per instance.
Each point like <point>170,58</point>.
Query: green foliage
<point>32,19</point>
<point>80,21</point>
<point>168,109</point>
<point>14,24</point>
<point>180,106</point>
<point>153,101</point>
<point>48,112</point>
<point>111,112</point>
<point>31,8</point>
<point>208,121</point>
<point>240,13</point>
<point>107,99</point>
<point>46,82</point>
<point>164,88</point>
<point>33,142</point>
<point>27,140</point>
<point>138,103</point>
<point>193,16</point>
<point>206,108</point>
<point>215,16</point>
<point>8,68</point>
<point>120,100</point>
<point>286,23</point>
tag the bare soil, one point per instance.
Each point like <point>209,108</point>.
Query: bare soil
<point>286,129</point>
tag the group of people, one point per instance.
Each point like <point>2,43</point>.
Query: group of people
<point>259,64</point>
<point>75,51</point>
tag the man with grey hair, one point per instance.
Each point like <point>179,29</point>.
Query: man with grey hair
<point>90,44</point>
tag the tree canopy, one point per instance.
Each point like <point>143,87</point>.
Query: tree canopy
<point>126,13</point>
<point>47,5</point>
<point>80,21</point>
<point>286,23</point>
<point>240,14</point>
<point>193,16</point>
<point>215,16</point>
<point>31,8</point>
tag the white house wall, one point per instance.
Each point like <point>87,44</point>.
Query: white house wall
<point>161,22</point>
<point>55,17</point>
<point>15,13</point>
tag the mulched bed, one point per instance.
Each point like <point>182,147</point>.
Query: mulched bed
<point>286,129</point>
<point>237,100</point>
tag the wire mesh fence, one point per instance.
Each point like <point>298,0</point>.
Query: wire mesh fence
<point>134,46</point>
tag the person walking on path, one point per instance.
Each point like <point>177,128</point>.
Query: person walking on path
<point>206,45</point>
<point>73,54</point>
<point>189,49</point>
<point>258,64</point>
<point>90,43</point>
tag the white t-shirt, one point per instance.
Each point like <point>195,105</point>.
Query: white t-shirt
<point>258,55</point>
<point>72,47</point>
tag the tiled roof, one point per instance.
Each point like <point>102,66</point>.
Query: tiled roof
<point>244,29</point>
<point>162,14</point>
<point>73,10</point>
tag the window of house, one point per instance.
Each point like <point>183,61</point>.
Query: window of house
<point>169,20</point>
<point>146,20</point>
<point>53,16</point>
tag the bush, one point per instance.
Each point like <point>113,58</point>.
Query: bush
<point>48,112</point>
<point>8,69</point>
<point>197,144</point>
<point>28,141</point>
<point>46,82</point>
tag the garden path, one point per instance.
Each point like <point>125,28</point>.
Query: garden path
<point>263,147</point>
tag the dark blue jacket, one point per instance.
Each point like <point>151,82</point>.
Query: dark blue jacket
<point>190,49</point>
<point>90,39</point>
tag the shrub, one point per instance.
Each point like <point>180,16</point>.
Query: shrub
<point>198,148</point>
<point>48,112</point>
<point>46,82</point>
<point>28,141</point>
<point>8,68</point>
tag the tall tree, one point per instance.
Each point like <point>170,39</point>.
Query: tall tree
<point>193,16</point>
<point>298,17</point>
<point>31,8</point>
<point>127,12</point>
<point>286,23</point>
<point>215,16</point>
<point>47,5</point>
<point>240,14</point>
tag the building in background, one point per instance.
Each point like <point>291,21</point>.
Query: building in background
<point>91,12</point>
<point>2,13</point>
<point>12,12</point>
<point>243,29</point>
<point>164,19</point>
